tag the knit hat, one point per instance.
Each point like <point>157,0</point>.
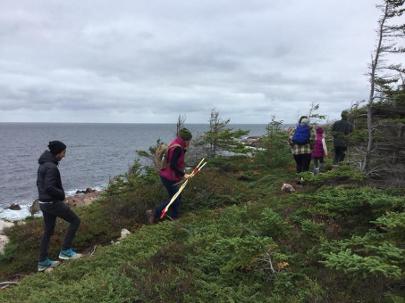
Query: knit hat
<point>56,147</point>
<point>185,134</point>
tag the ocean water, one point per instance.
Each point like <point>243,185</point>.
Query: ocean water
<point>95,153</point>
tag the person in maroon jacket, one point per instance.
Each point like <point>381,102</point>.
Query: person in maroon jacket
<point>172,174</point>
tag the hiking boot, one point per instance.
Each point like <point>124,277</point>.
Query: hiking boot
<point>69,254</point>
<point>47,263</point>
<point>150,218</point>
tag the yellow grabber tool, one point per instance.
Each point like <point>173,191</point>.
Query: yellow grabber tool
<point>195,171</point>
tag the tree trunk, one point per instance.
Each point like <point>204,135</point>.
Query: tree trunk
<point>374,64</point>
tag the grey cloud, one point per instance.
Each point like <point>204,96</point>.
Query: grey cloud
<point>144,59</point>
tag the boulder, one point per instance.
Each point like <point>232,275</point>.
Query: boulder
<point>82,199</point>
<point>3,242</point>
<point>124,233</point>
<point>89,190</point>
<point>15,206</point>
<point>4,225</point>
<point>288,188</point>
<point>34,208</point>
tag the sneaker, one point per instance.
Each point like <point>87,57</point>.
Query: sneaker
<point>69,254</point>
<point>150,218</point>
<point>47,263</point>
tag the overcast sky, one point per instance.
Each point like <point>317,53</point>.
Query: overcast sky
<point>148,61</point>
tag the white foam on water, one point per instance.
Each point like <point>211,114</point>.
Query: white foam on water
<point>17,215</point>
<point>24,212</point>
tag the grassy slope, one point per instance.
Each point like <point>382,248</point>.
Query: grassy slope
<point>241,240</point>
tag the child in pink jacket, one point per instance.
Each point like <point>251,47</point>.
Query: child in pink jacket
<point>319,150</point>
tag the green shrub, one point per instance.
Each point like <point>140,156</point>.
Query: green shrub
<point>340,175</point>
<point>276,151</point>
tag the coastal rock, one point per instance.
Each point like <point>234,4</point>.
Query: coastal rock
<point>34,208</point>
<point>288,188</point>
<point>253,141</point>
<point>87,191</point>
<point>3,242</point>
<point>15,206</point>
<point>83,199</point>
<point>124,233</point>
<point>4,225</point>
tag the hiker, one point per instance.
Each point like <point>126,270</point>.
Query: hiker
<point>171,174</point>
<point>300,140</point>
<point>340,130</point>
<point>319,150</point>
<point>51,200</point>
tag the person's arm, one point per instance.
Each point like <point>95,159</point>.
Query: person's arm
<point>173,163</point>
<point>334,131</point>
<point>325,148</point>
<point>290,137</point>
<point>51,182</point>
<point>350,128</point>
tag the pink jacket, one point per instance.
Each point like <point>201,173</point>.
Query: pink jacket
<point>319,150</point>
<point>167,172</point>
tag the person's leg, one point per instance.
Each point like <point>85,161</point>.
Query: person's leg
<point>316,162</point>
<point>342,154</point>
<point>172,189</point>
<point>337,155</point>
<point>175,207</point>
<point>298,162</point>
<point>306,161</point>
<point>49,227</point>
<point>321,165</point>
<point>62,210</point>
<point>316,166</point>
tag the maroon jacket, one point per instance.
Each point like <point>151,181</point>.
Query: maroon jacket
<point>169,172</point>
<point>318,150</point>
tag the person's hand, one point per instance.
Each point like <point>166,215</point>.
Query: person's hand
<point>186,176</point>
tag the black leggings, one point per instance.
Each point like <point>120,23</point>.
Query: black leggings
<point>302,162</point>
<point>318,162</point>
<point>51,211</point>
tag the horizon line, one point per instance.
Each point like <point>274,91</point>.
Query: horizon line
<point>206,123</point>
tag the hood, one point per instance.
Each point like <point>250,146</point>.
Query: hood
<point>179,141</point>
<point>319,130</point>
<point>47,156</point>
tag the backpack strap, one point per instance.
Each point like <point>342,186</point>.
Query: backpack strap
<point>169,148</point>
<point>172,146</point>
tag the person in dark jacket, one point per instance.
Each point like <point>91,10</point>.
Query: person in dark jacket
<point>340,130</point>
<point>172,174</point>
<point>51,200</point>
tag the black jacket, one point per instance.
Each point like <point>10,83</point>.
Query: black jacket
<point>340,130</point>
<point>49,182</point>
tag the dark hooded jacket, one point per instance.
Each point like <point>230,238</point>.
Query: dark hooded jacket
<point>49,182</point>
<point>340,131</point>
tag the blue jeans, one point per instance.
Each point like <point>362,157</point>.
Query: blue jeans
<point>172,189</point>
